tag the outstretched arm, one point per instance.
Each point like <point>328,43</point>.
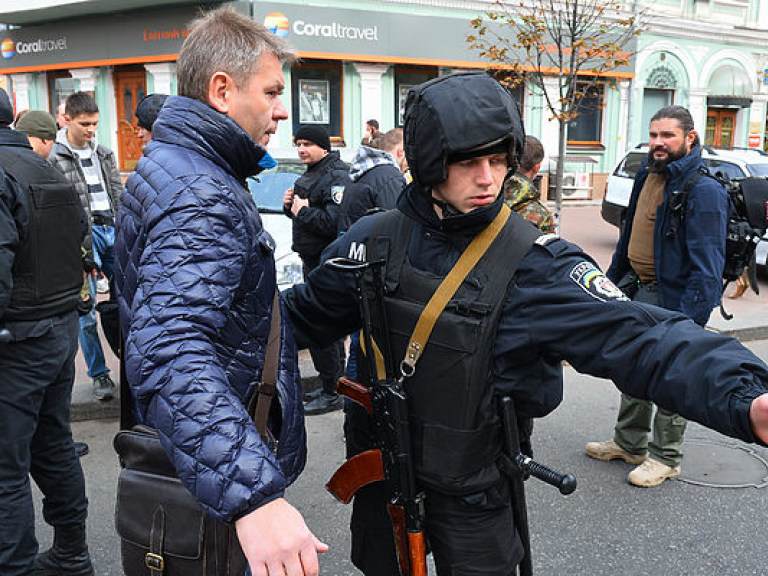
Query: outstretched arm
<point>758,417</point>
<point>276,541</point>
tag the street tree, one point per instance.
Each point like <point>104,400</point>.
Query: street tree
<point>569,50</point>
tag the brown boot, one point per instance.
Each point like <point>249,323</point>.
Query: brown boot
<point>741,286</point>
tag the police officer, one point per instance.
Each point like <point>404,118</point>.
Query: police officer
<point>494,339</point>
<point>313,205</point>
<point>41,273</point>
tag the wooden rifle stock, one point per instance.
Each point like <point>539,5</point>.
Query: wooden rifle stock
<point>410,546</point>
<point>355,392</point>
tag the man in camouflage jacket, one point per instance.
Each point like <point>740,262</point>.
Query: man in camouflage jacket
<point>521,194</point>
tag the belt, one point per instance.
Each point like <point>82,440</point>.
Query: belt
<point>99,220</point>
<point>652,286</point>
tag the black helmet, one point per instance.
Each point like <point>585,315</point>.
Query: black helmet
<point>457,114</point>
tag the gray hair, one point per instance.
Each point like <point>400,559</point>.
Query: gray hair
<point>225,41</point>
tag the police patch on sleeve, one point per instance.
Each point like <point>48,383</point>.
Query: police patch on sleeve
<point>590,279</point>
<point>337,193</point>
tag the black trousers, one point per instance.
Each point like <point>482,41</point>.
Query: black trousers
<point>329,361</point>
<point>470,535</point>
<point>36,377</point>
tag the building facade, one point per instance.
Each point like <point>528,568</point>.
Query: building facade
<point>358,59</point>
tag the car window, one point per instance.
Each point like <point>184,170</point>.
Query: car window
<point>723,169</point>
<point>758,169</point>
<point>631,164</point>
<point>269,188</point>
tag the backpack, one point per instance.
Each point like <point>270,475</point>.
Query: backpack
<point>747,221</point>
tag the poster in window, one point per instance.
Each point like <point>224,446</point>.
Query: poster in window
<point>314,106</point>
<point>402,96</point>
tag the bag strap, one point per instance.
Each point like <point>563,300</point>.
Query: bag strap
<point>447,289</point>
<point>258,408</point>
<point>268,385</point>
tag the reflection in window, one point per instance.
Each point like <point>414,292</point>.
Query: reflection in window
<point>316,96</point>
<point>406,77</point>
<point>586,128</point>
<point>60,86</point>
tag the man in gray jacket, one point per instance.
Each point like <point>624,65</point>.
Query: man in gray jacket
<point>92,169</point>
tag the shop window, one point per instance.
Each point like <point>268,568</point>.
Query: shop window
<point>586,128</point>
<point>60,86</point>
<point>406,77</point>
<point>317,97</point>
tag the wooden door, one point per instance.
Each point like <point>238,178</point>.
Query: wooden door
<point>130,88</point>
<point>720,127</point>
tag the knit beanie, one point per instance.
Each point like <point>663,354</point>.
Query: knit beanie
<point>314,134</point>
<point>6,109</point>
<point>37,123</point>
<point>148,109</point>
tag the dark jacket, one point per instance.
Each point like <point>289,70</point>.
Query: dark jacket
<point>195,275</point>
<point>63,158</point>
<point>560,307</point>
<point>324,184</point>
<point>689,261</point>
<point>47,271</point>
<point>376,183</point>
<point>14,223</point>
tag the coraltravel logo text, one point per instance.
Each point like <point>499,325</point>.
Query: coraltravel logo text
<point>11,48</point>
<point>279,25</point>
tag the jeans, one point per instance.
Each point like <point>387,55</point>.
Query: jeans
<point>36,376</point>
<point>93,353</point>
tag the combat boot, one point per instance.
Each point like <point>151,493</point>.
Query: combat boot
<point>67,557</point>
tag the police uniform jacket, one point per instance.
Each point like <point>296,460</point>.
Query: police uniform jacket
<point>560,307</point>
<point>315,225</point>
<point>689,247</point>
<point>195,275</point>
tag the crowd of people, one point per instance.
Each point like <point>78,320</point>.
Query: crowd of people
<point>193,275</point>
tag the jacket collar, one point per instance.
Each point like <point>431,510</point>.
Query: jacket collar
<point>10,137</point>
<point>193,124</point>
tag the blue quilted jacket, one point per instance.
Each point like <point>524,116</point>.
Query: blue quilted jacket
<point>195,275</point>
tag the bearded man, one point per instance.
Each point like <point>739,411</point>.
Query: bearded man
<point>673,259</point>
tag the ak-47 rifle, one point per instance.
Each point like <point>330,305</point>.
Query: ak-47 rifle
<point>385,400</point>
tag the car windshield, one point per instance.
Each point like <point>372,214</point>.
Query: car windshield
<point>758,169</point>
<point>268,188</point>
<point>631,164</point>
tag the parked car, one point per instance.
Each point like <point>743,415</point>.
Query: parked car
<point>727,163</point>
<point>267,190</point>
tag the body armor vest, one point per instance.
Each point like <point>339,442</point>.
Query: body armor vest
<point>455,426</point>
<point>47,267</point>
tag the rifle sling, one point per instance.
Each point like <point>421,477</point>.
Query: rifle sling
<point>450,284</point>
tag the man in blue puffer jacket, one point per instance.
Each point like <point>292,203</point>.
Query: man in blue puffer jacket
<point>195,275</point>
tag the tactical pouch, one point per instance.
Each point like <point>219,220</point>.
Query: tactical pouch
<point>629,284</point>
<point>162,529</point>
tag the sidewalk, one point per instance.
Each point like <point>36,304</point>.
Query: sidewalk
<point>581,224</point>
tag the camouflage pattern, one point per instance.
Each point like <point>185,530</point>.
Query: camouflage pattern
<point>522,196</point>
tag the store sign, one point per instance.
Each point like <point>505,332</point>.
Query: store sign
<point>400,37</point>
<point>142,37</point>
<point>315,31</point>
<point>754,141</point>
